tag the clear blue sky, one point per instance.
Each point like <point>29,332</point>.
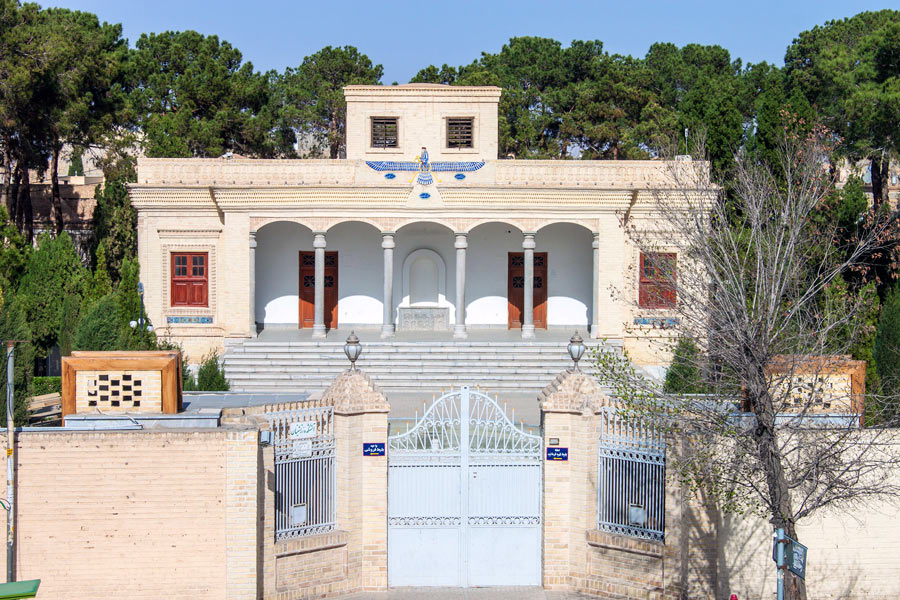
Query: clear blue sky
<point>407,36</point>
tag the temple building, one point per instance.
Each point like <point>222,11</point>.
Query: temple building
<point>420,228</point>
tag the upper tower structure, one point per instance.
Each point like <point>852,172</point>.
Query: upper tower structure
<point>394,122</point>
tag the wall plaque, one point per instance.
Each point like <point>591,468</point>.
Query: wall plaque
<point>373,449</point>
<point>557,453</point>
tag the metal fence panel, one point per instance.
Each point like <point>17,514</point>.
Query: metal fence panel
<point>632,477</point>
<point>305,502</point>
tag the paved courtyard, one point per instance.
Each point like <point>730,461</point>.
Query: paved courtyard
<point>494,593</point>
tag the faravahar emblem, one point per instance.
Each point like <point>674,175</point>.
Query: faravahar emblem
<point>424,168</point>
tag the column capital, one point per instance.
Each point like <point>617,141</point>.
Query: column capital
<point>528,241</point>
<point>252,239</point>
<point>318,239</point>
<point>387,239</point>
<point>462,241</point>
<point>596,242</point>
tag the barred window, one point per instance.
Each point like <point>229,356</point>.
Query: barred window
<point>459,132</point>
<point>657,278</point>
<point>632,478</point>
<point>384,132</point>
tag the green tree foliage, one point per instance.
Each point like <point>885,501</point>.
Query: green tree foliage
<point>312,95</point>
<point>98,328</point>
<point>886,351</point>
<point>850,70</point>
<point>53,273</point>
<point>14,252</point>
<point>68,324</point>
<point>115,224</point>
<point>193,96</point>
<point>14,326</point>
<point>86,59</point>
<point>702,85</point>
<point>684,375</point>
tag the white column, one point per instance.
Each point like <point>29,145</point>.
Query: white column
<point>528,317</point>
<point>387,321</point>
<point>459,328</point>
<point>252,284</point>
<point>319,323</point>
<point>595,287</point>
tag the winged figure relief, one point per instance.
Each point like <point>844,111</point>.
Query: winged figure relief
<point>424,168</point>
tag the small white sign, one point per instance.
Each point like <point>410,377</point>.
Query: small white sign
<point>302,430</point>
<point>298,515</point>
<point>301,449</point>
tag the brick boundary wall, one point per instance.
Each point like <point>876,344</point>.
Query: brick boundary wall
<point>137,514</point>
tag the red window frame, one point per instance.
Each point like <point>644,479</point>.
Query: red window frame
<point>190,279</point>
<point>658,272</point>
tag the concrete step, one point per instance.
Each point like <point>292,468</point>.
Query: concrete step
<point>407,367</point>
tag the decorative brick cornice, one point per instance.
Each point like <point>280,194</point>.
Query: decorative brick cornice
<point>573,392</point>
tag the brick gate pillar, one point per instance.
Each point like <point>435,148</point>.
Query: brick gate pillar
<point>569,414</point>
<point>360,417</point>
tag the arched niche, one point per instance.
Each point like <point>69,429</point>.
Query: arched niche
<point>424,279</point>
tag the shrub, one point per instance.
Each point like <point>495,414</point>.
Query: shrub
<point>46,385</point>
<point>683,376</point>
<point>211,376</point>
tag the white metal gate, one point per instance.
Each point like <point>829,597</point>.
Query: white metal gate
<point>464,497</point>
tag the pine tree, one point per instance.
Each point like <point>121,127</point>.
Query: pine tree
<point>887,353</point>
<point>14,326</point>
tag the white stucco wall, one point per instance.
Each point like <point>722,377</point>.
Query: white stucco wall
<point>433,237</point>
<point>570,262</point>
<point>360,267</point>
<point>278,247</point>
<point>486,273</point>
<point>360,272</point>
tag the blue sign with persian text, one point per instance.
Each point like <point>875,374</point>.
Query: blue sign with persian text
<point>376,449</point>
<point>557,453</point>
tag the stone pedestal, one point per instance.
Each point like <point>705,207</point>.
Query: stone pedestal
<point>424,318</point>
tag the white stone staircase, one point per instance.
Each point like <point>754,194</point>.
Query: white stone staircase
<point>282,366</point>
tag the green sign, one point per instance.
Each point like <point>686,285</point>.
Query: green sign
<point>19,589</point>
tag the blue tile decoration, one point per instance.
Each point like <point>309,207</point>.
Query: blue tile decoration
<point>189,320</point>
<point>389,175</point>
<point>657,322</point>
<point>424,195</point>
<point>425,168</point>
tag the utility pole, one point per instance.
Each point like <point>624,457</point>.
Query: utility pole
<point>10,463</point>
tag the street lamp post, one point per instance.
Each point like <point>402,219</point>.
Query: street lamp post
<point>141,321</point>
<point>352,349</point>
<point>576,349</point>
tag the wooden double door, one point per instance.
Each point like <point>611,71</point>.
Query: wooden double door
<point>516,289</point>
<point>308,289</point>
